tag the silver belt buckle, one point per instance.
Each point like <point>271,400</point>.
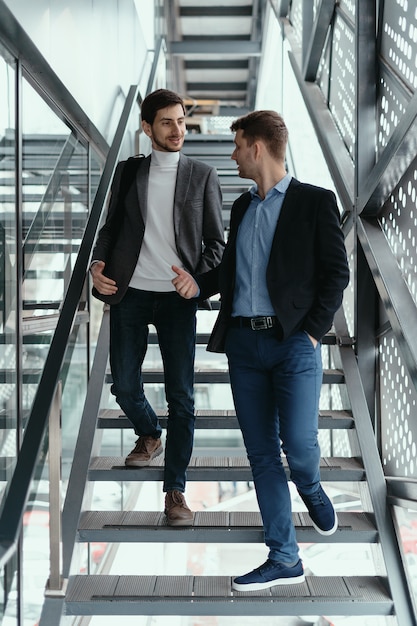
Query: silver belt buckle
<point>261,323</point>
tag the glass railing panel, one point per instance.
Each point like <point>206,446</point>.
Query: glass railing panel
<point>74,376</point>
<point>8,282</point>
<point>406,520</point>
<point>96,170</point>
<point>55,204</point>
<point>34,352</point>
<point>35,565</point>
<point>36,551</point>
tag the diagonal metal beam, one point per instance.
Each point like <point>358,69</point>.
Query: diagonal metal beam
<point>217,48</point>
<point>334,150</point>
<point>398,303</point>
<point>318,37</point>
<point>393,162</point>
<point>280,7</point>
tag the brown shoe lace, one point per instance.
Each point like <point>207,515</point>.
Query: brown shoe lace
<point>176,498</point>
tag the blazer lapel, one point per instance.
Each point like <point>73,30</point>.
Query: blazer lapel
<point>142,188</point>
<point>184,173</point>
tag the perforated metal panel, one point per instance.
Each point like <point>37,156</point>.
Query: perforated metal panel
<point>398,73</point>
<point>399,223</point>
<point>398,412</point>
<point>399,39</point>
<point>323,74</point>
<point>349,7</point>
<point>342,83</point>
<point>296,17</point>
<point>392,103</point>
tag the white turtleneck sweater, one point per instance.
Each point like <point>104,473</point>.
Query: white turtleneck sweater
<point>158,253</point>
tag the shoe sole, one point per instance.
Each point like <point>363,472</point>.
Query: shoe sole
<point>326,533</point>
<point>294,580</point>
<point>180,522</point>
<point>133,463</point>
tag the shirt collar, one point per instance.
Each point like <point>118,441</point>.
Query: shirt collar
<point>281,185</point>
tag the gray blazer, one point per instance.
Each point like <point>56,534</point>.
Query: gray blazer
<point>198,223</point>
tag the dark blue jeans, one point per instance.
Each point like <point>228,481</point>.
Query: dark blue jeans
<point>276,389</point>
<point>175,321</point>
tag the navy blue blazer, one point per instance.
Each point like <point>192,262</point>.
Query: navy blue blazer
<point>307,270</point>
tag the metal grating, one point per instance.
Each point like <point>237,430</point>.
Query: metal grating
<point>213,527</point>
<point>342,83</point>
<point>391,106</point>
<point>323,73</point>
<point>398,398</point>
<point>296,18</point>
<point>399,39</point>
<point>208,595</point>
<point>349,7</point>
<point>398,220</point>
<point>218,468</point>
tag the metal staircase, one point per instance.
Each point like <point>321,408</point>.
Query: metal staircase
<point>99,594</point>
<point>349,454</point>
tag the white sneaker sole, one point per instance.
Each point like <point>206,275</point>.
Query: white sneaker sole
<point>295,580</point>
<point>326,533</point>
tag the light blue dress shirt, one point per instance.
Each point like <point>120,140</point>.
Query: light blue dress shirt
<point>253,248</point>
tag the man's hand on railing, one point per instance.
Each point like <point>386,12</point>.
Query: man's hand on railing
<point>105,286</point>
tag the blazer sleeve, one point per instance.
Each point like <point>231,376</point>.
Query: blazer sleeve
<point>213,229</point>
<point>109,231</point>
<point>332,270</point>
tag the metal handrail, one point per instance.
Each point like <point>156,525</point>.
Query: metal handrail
<point>18,493</point>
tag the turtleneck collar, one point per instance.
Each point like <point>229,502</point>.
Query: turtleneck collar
<point>158,157</point>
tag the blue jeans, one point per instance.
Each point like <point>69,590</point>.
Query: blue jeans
<point>276,389</point>
<point>175,321</point>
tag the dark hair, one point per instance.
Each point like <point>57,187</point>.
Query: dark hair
<point>268,126</point>
<point>157,100</point>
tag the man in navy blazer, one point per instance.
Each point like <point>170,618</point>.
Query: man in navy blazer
<point>167,213</point>
<point>281,280</point>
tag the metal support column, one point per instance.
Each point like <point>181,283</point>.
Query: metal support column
<point>55,583</point>
<point>365,87</point>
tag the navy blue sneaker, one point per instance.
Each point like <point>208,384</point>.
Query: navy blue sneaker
<point>321,511</point>
<point>268,575</point>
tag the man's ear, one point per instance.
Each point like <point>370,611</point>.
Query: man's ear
<point>147,128</point>
<point>258,149</point>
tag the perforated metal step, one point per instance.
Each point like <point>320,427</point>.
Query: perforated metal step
<point>210,376</point>
<point>211,469</point>
<point>213,527</point>
<point>213,595</point>
<point>113,418</point>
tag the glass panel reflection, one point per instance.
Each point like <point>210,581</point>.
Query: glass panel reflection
<point>55,204</point>
<point>8,408</point>
<point>8,288</point>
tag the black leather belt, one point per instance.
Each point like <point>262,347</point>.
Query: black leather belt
<point>255,323</point>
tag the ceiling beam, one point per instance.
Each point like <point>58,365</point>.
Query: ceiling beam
<point>216,47</point>
<point>220,86</point>
<point>216,64</point>
<point>216,11</point>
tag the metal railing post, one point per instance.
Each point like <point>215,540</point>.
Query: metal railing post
<point>55,583</point>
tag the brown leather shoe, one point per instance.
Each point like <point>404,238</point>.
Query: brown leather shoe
<point>146,449</point>
<point>176,509</point>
